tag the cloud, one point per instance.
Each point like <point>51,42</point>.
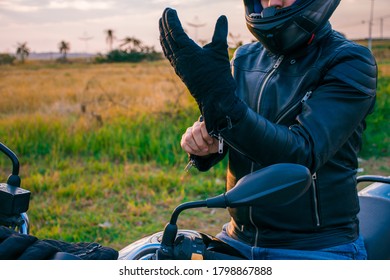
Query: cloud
<point>166,2</point>
<point>17,6</point>
<point>83,5</point>
<point>23,6</point>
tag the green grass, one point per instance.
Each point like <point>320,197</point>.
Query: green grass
<point>142,138</point>
<point>377,135</point>
<point>112,183</point>
<point>112,203</point>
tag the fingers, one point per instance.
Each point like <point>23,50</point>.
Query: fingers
<point>219,40</point>
<point>174,27</point>
<point>205,135</point>
<point>172,35</point>
<point>220,31</point>
<point>165,47</point>
<point>167,50</point>
<point>197,141</point>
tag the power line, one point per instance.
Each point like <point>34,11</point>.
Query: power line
<point>375,22</point>
<point>362,22</point>
<point>382,20</point>
<point>196,24</point>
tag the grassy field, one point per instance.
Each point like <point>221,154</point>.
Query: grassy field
<point>99,148</point>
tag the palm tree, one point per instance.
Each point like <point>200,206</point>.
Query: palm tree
<point>64,47</point>
<point>23,51</point>
<point>110,37</point>
<point>133,44</point>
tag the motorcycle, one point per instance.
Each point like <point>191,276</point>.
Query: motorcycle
<point>278,184</point>
<point>262,188</point>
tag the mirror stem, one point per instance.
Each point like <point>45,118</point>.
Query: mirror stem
<point>13,179</point>
<point>170,230</point>
<point>185,206</point>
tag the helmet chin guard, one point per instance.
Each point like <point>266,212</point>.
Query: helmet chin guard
<point>285,30</point>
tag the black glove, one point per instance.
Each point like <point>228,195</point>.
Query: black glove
<point>205,71</point>
<point>14,245</point>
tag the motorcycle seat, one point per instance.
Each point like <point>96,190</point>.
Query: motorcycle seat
<point>374,223</point>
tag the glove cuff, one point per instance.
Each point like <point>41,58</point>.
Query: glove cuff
<point>223,114</point>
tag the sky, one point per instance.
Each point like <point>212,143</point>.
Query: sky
<point>83,23</point>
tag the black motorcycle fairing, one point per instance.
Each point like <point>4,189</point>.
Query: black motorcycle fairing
<point>374,218</point>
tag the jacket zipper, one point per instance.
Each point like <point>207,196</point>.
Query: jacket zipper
<point>251,217</point>
<point>192,161</point>
<point>275,67</point>
<point>221,140</point>
<point>314,176</point>
<point>315,199</point>
<point>292,108</point>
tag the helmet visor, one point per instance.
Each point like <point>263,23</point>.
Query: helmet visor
<point>255,10</point>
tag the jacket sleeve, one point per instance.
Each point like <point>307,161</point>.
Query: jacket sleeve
<point>337,107</point>
<point>204,163</point>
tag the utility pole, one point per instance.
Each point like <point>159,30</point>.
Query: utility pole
<point>370,26</point>
<point>86,38</point>
<point>382,22</point>
<point>196,24</point>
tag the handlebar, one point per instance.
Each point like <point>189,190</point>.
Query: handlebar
<point>373,178</point>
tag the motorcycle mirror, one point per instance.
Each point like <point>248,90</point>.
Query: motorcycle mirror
<point>275,185</point>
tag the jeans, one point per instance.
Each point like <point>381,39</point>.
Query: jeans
<point>350,251</point>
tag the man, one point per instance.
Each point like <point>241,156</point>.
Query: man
<point>300,95</point>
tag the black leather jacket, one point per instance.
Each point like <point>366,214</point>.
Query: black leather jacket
<point>308,108</point>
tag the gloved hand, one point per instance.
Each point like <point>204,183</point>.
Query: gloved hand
<point>205,71</point>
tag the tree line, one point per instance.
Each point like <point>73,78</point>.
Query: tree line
<point>130,49</point>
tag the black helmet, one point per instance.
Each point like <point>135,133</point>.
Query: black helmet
<point>284,30</point>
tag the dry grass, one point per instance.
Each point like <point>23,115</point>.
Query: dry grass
<point>384,70</point>
<point>104,89</point>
